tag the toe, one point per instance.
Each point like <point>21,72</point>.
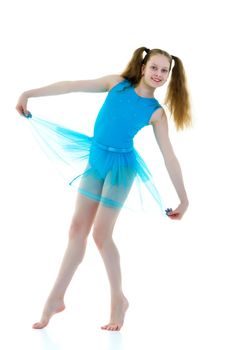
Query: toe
<point>107,327</point>
<point>39,325</point>
<point>111,327</point>
<point>36,325</point>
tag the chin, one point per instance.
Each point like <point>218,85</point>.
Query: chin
<point>155,84</point>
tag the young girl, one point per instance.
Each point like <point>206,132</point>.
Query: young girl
<point>110,162</point>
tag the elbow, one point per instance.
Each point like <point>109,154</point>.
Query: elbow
<point>69,86</point>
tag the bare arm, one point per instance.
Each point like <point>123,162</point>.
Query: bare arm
<point>63,87</point>
<point>102,84</point>
<point>160,128</point>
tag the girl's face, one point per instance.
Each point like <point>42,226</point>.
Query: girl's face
<point>156,71</point>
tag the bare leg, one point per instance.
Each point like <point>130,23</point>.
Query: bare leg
<point>81,223</point>
<point>102,233</point>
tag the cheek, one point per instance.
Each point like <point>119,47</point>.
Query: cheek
<point>147,72</point>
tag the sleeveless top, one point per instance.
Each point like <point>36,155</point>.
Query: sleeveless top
<point>122,115</point>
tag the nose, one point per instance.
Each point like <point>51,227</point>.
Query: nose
<point>158,75</point>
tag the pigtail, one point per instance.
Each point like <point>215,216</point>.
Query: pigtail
<point>177,97</point>
<point>133,69</point>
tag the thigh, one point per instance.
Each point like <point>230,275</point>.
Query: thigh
<point>91,185</point>
<point>108,211</point>
<point>83,215</point>
<point>104,222</point>
<point>116,189</point>
<point>86,203</point>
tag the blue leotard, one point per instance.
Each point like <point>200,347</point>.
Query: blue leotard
<point>122,115</point>
<point>104,167</point>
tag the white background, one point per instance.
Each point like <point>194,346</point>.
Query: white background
<point>177,275</point>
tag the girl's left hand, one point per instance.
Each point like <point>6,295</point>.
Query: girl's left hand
<point>178,212</point>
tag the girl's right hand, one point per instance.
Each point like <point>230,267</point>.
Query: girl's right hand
<point>21,106</point>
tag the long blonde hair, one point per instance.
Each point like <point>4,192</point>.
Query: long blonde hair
<point>177,97</point>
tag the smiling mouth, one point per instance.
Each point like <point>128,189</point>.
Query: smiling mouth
<point>156,80</point>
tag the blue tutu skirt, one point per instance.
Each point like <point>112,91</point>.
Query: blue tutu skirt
<point>104,174</point>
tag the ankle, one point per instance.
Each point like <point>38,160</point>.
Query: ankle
<point>117,296</point>
<point>59,297</point>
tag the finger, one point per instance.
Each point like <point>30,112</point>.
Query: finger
<point>174,215</point>
<point>28,115</point>
<point>174,212</point>
<point>20,109</point>
<point>25,113</point>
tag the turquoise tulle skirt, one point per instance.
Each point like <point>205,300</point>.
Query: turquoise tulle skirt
<point>115,177</point>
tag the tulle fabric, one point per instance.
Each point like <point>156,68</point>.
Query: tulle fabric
<point>115,177</point>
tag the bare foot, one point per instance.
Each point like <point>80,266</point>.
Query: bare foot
<point>118,311</point>
<point>51,307</point>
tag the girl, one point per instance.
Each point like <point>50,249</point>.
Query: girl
<point>111,162</point>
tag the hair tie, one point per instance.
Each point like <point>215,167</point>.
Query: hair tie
<point>147,50</point>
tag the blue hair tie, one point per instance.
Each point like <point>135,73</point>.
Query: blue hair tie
<point>27,115</point>
<point>168,210</point>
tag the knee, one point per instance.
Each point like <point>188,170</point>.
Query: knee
<point>78,228</point>
<point>100,236</point>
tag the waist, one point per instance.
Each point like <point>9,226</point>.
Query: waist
<point>112,149</point>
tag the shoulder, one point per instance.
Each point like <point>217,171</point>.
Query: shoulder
<point>157,115</point>
<point>114,79</point>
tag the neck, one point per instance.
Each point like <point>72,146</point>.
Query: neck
<point>144,90</point>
